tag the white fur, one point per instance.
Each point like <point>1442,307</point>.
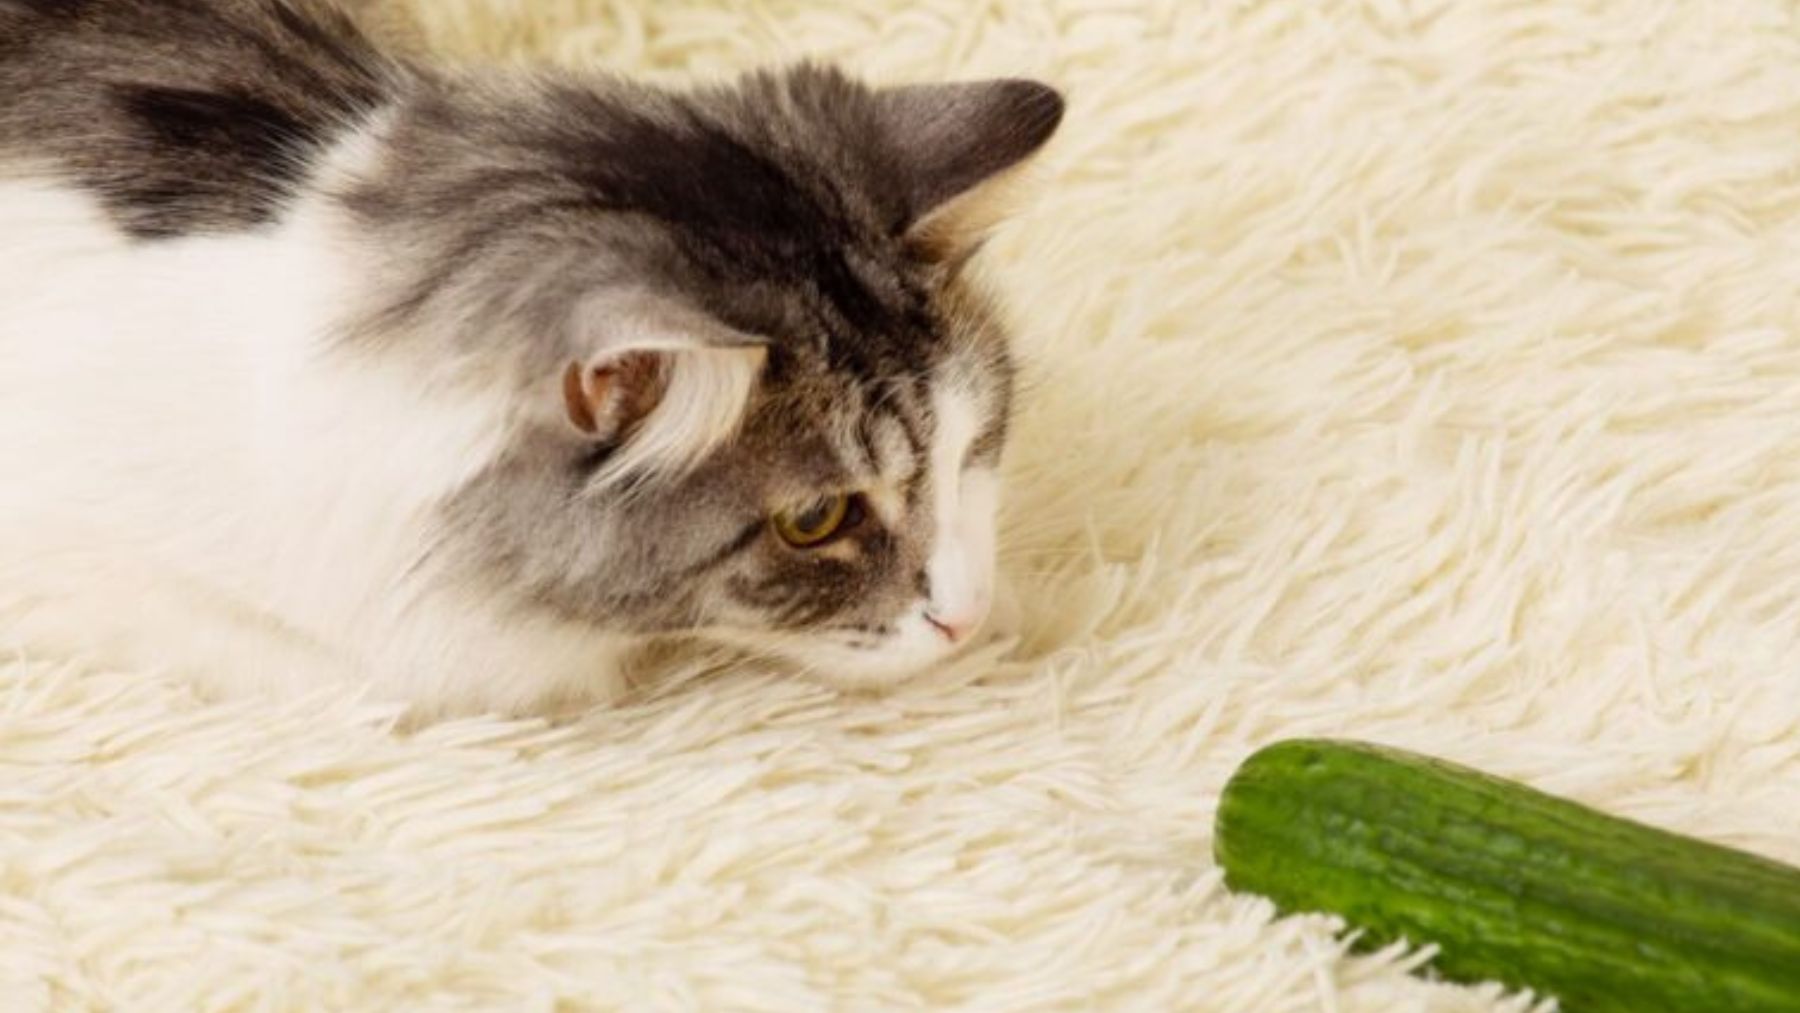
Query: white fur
<point>205,487</point>
<point>967,499</point>
<point>711,372</point>
<point>702,407</point>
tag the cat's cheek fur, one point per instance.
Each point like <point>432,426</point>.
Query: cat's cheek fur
<point>962,562</point>
<point>913,645</point>
<point>960,570</point>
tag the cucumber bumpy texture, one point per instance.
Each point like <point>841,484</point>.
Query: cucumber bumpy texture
<point>1512,884</point>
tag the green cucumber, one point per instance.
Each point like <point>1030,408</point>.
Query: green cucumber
<point>1513,885</point>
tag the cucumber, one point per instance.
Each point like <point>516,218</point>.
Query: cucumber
<point>1512,884</point>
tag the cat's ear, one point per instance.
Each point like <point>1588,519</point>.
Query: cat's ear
<point>663,385</point>
<point>956,143</point>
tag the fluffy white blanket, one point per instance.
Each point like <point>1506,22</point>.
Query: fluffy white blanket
<point>1425,372</point>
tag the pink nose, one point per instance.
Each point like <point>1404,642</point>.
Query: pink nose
<point>955,628</point>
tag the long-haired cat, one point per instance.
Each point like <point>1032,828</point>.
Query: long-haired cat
<point>320,363</point>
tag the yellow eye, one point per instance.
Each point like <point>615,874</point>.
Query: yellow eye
<point>813,525</point>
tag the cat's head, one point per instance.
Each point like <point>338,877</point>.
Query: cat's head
<point>757,398</point>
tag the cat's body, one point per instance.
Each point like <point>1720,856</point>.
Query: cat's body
<point>233,504</point>
<point>318,365</point>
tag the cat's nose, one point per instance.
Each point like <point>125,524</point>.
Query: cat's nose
<point>957,625</point>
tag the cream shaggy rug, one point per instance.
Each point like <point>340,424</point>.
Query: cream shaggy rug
<point>1426,372</point>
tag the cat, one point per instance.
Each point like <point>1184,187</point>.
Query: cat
<point>319,362</point>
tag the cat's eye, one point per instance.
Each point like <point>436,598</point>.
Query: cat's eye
<point>816,523</point>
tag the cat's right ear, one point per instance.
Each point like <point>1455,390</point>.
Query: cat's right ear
<point>660,384</point>
<point>954,143</point>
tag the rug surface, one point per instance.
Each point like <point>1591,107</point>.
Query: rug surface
<point>1425,372</point>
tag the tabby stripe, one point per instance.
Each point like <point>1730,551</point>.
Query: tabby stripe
<point>910,426</point>
<point>865,441</point>
<point>738,543</point>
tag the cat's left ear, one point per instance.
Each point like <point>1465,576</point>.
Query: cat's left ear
<point>955,144</point>
<point>660,383</point>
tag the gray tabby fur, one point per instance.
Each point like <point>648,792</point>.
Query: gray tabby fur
<point>786,209</point>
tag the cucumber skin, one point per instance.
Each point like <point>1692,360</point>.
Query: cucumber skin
<point>1512,884</point>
